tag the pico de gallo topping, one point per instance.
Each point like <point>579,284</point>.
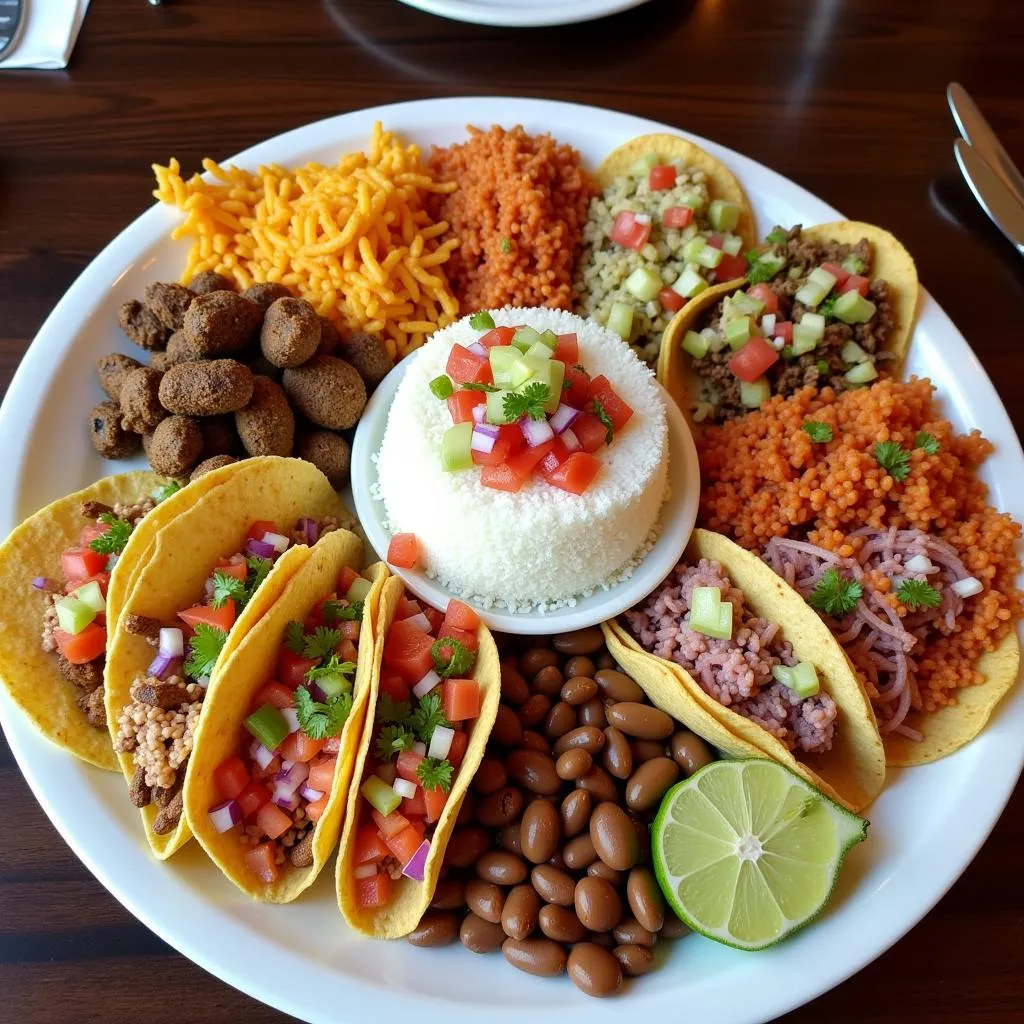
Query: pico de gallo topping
<point>524,409</point>
<point>276,786</point>
<point>427,699</point>
<point>810,315</point>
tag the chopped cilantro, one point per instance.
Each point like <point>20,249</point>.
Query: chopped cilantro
<point>391,710</point>
<point>428,716</point>
<point>164,492</point>
<point>482,321</point>
<point>226,586</point>
<point>318,720</point>
<point>330,669</point>
<point>506,246</point>
<point>528,402</point>
<point>819,433</point>
<point>787,352</point>
<point>606,421</point>
<point>204,647</point>
<point>776,236</point>
<point>451,657</point>
<point>827,306</point>
<point>295,638</point>
<point>918,594</point>
<point>338,611</point>
<point>927,443</point>
<point>821,366</point>
<point>893,459</point>
<point>393,739</point>
<point>474,386</point>
<point>113,541</point>
<point>835,595</point>
<point>257,571</point>
<point>435,774</point>
<point>321,643</point>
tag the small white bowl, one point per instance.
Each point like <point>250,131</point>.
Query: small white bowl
<point>678,515</point>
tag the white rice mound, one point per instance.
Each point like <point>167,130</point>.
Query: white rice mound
<point>541,547</point>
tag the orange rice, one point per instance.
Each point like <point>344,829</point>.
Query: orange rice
<point>518,211</point>
<point>763,477</point>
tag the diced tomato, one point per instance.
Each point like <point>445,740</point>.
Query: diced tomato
<point>274,693</point>
<point>405,843</point>
<point>369,847</point>
<point>855,283</point>
<point>262,862</point>
<point>404,550</point>
<point>460,699</point>
<point>413,806</point>
<point>554,458</point>
<point>374,891</point>
<point>751,361</point>
<point>102,578</point>
<point>513,437</point>
<point>350,629</point>
<point>630,232</point>
<point>406,765</point>
<point>315,810</point>
<point>81,563</point>
<point>501,478</point>
<point>321,774</point>
<point>239,570</point>
<point>347,650</point>
<point>333,745</point>
<point>671,300</point>
<point>297,746</point>
<point>407,608</point>
<point>436,619</point>
<point>461,616</point>
<point>763,293</point>
<point>567,350</point>
<point>661,177</point>
<point>464,636</point>
<point>433,802</point>
<point>784,330</point>
<point>81,648</point>
<point>524,462</point>
<point>253,797</point>
<point>839,273</point>
<point>292,668</point>
<point>716,240</point>
<point>497,336</point>
<point>730,268</point>
<point>457,751</point>
<point>230,777</point>
<point>390,824</point>
<point>266,774</point>
<point>677,217</point>
<point>346,578</point>
<point>274,821</point>
<point>579,387</point>
<point>259,528</point>
<point>465,367</point>
<point>495,457</point>
<point>590,432</point>
<point>394,685</point>
<point>407,651</point>
<point>618,411</point>
<point>461,404</point>
<point>577,473</point>
<point>90,532</point>
<point>221,618</point>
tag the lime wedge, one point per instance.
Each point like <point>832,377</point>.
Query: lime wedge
<point>746,852</point>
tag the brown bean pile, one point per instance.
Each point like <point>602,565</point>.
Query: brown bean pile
<point>549,859</point>
<point>233,375</point>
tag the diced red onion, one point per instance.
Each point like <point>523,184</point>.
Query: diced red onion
<point>418,621</point>
<point>307,792</point>
<point>386,772</point>
<point>440,742</point>
<point>317,693</point>
<point>172,641</point>
<point>46,583</point>
<point>477,349</point>
<point>404,788</point>
<point>417,862</point>
<point>260,549</point>
<point>163,665</point>
<point>112,561</point>
<point>285,800</point>
<point>426,684</point>
<point>226,815</point>
<point>967,587</point>
<point>479,412</point>
<point>291,716</point>
<point>310,529</point>
<point>564,417</point>
<point>278,541</point>
<point>777,343</point>
<point>364,870</point>
<point>571,441</point>
<point>260,754</point>
<point>286,764</point>
<point>536,432</point>
<point>288,780</point>
<point>419,748</point>
<point>768,324</point>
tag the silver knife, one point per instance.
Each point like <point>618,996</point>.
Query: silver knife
<point>978,132</point>
<point>12,13</point>
<point>1004,209</point>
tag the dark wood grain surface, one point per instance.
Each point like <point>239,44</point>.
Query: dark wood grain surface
<point>846,98</point>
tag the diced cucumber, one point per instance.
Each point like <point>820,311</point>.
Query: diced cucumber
<point>732,245</point>
<point>862,373</point>
<point>455,447</point>
<point>851,352</point>
<point>805,679</point>
<point>710,257</point>
<point>525,338</point>
<point>693,248</point>
<point>689,284</point>
<point>695,344</point>
<point>496,408</point>
<point>358,591</point>
<point>709,614</point>
<point>814,322</point>
<point>852,308</point>
<point>73,615</point>
<point>723,215</point>
<point>642,166</point>
<point>520,372</point>
<point>852,264</point>
<point>768,264</point>
<point>381,796</point>
<point>755,394</point>
<point>267,725</point>
<point>783,674</point>
<point>620,319</point>
<point>334,685</point>
<point>502,359</point>
<point>90,594</point>
<point>805,338</point>
<point>811,293</point>
<point>550,339</point>
<point>442,387</point>
<point>556,374</point>
<point>644,284</point>
<point>737,331</point>
<point>822,278</point>
<point>746,305</point>
<point>539,351</point>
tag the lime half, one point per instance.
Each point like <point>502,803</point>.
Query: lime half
<point>746,852</point>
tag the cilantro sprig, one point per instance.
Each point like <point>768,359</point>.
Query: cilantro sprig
<point>204,646</point>
<point>113,541</point>
<point>317,719</point>
<point>928,443</point>
<point>391,710</point>
<point>776,236</point>
<point>338,611</point>
<point>428,716</point>
<point>393,739</point>
<point>834,595</point>
<point>435,773</point>
<point>827,306</point>
<point>606,421</point>
<point>226,586</point>
<point>165,491</point>
<point>917,594</point>
<point>819,433</point>
<point>893,458</point>
<point>332,668</point>
<point>529,402</point>
<point>482,321</point>
<point>320,643</point>
<point>451,657</point>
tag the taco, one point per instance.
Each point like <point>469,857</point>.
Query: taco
<point>274,751</point>
<point>434,697</point>
<point>210,575</point>
<point>670,220</point>
<point>58,568</point>
<point>832,304</point>
<point>727,647</point>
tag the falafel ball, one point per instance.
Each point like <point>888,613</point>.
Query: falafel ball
<point>266,293</point>
<point>175,446</point>
<point>209,465</point>
<point>161,361</point>
<point>219,435</point>
<point>290,333</point>
<point>221,323</point>
<point>143,326</point>
<point>327,391</point>
<point>180,349</point>
<point>267,424</point>
<point>329,452</point>
<point>210,281</point>
<point>141,409</point>
<point>108,437</point>
<point>206,387</point>
<point>111,370</point>
<point>366,352</point>
<point>169,302</point>
<point>330,338</point>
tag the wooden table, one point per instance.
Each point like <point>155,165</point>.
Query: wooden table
<point>845,98</point>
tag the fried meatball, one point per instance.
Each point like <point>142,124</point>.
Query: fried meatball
<point>290,332</point>
<point>329,452</point>
<point>327,391</point>
<point>169,302</point>
<point>161,361</point>
<point>141,410</point>
<point>175,446</point>
<point>221,323</point>
<point>143,326</point>
<point>206,387</point>
<point>210,281</point>
<point>265,294</point>
<point>209,465</point>
<point>367,354</point>
<point>267,424</point>
<point>219,435</point>
<point>330,338</point>
<point>111,370</point>
<point>108,437</point>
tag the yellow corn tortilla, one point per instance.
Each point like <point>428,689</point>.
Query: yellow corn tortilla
<point>250,666</point>
<point>28,673</point>
<point>183,555</point>
<point>891,263</point>
<point>853,771</point>
<point>410,899</point>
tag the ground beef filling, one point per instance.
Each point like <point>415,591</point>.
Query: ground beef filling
<point>736,672</point>
<point>821,367</point>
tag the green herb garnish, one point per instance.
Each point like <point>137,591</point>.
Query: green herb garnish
<point>391,710</point>
<point>442,387</point>
<point>918,594</point>
<point>819,433</point>
<point>164,492</point>
<point>776,236</point>
<point>330,669</point>
<point>428,716</point>
<point>506,246</point>
<point>787,352</point>
<point>927,443</point>
<point>435,774</point>
<point>528,402</point>
<point>835,595</point>
<point>204,647</point>
<point>338,611</point>
<point>113,541</point>
<point>393,739</point>
<point>226,586</point>
<point>451,657</point>
<point>318,720</point>
<point>482,321</point>
<point>893,459</point>
<point>827,306</point>
<point>320,643</point>
<point>295,638</point>
<point>821,366</point>
<point>258,570</point>
<point>606,421</point>
<point>472,385</point>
